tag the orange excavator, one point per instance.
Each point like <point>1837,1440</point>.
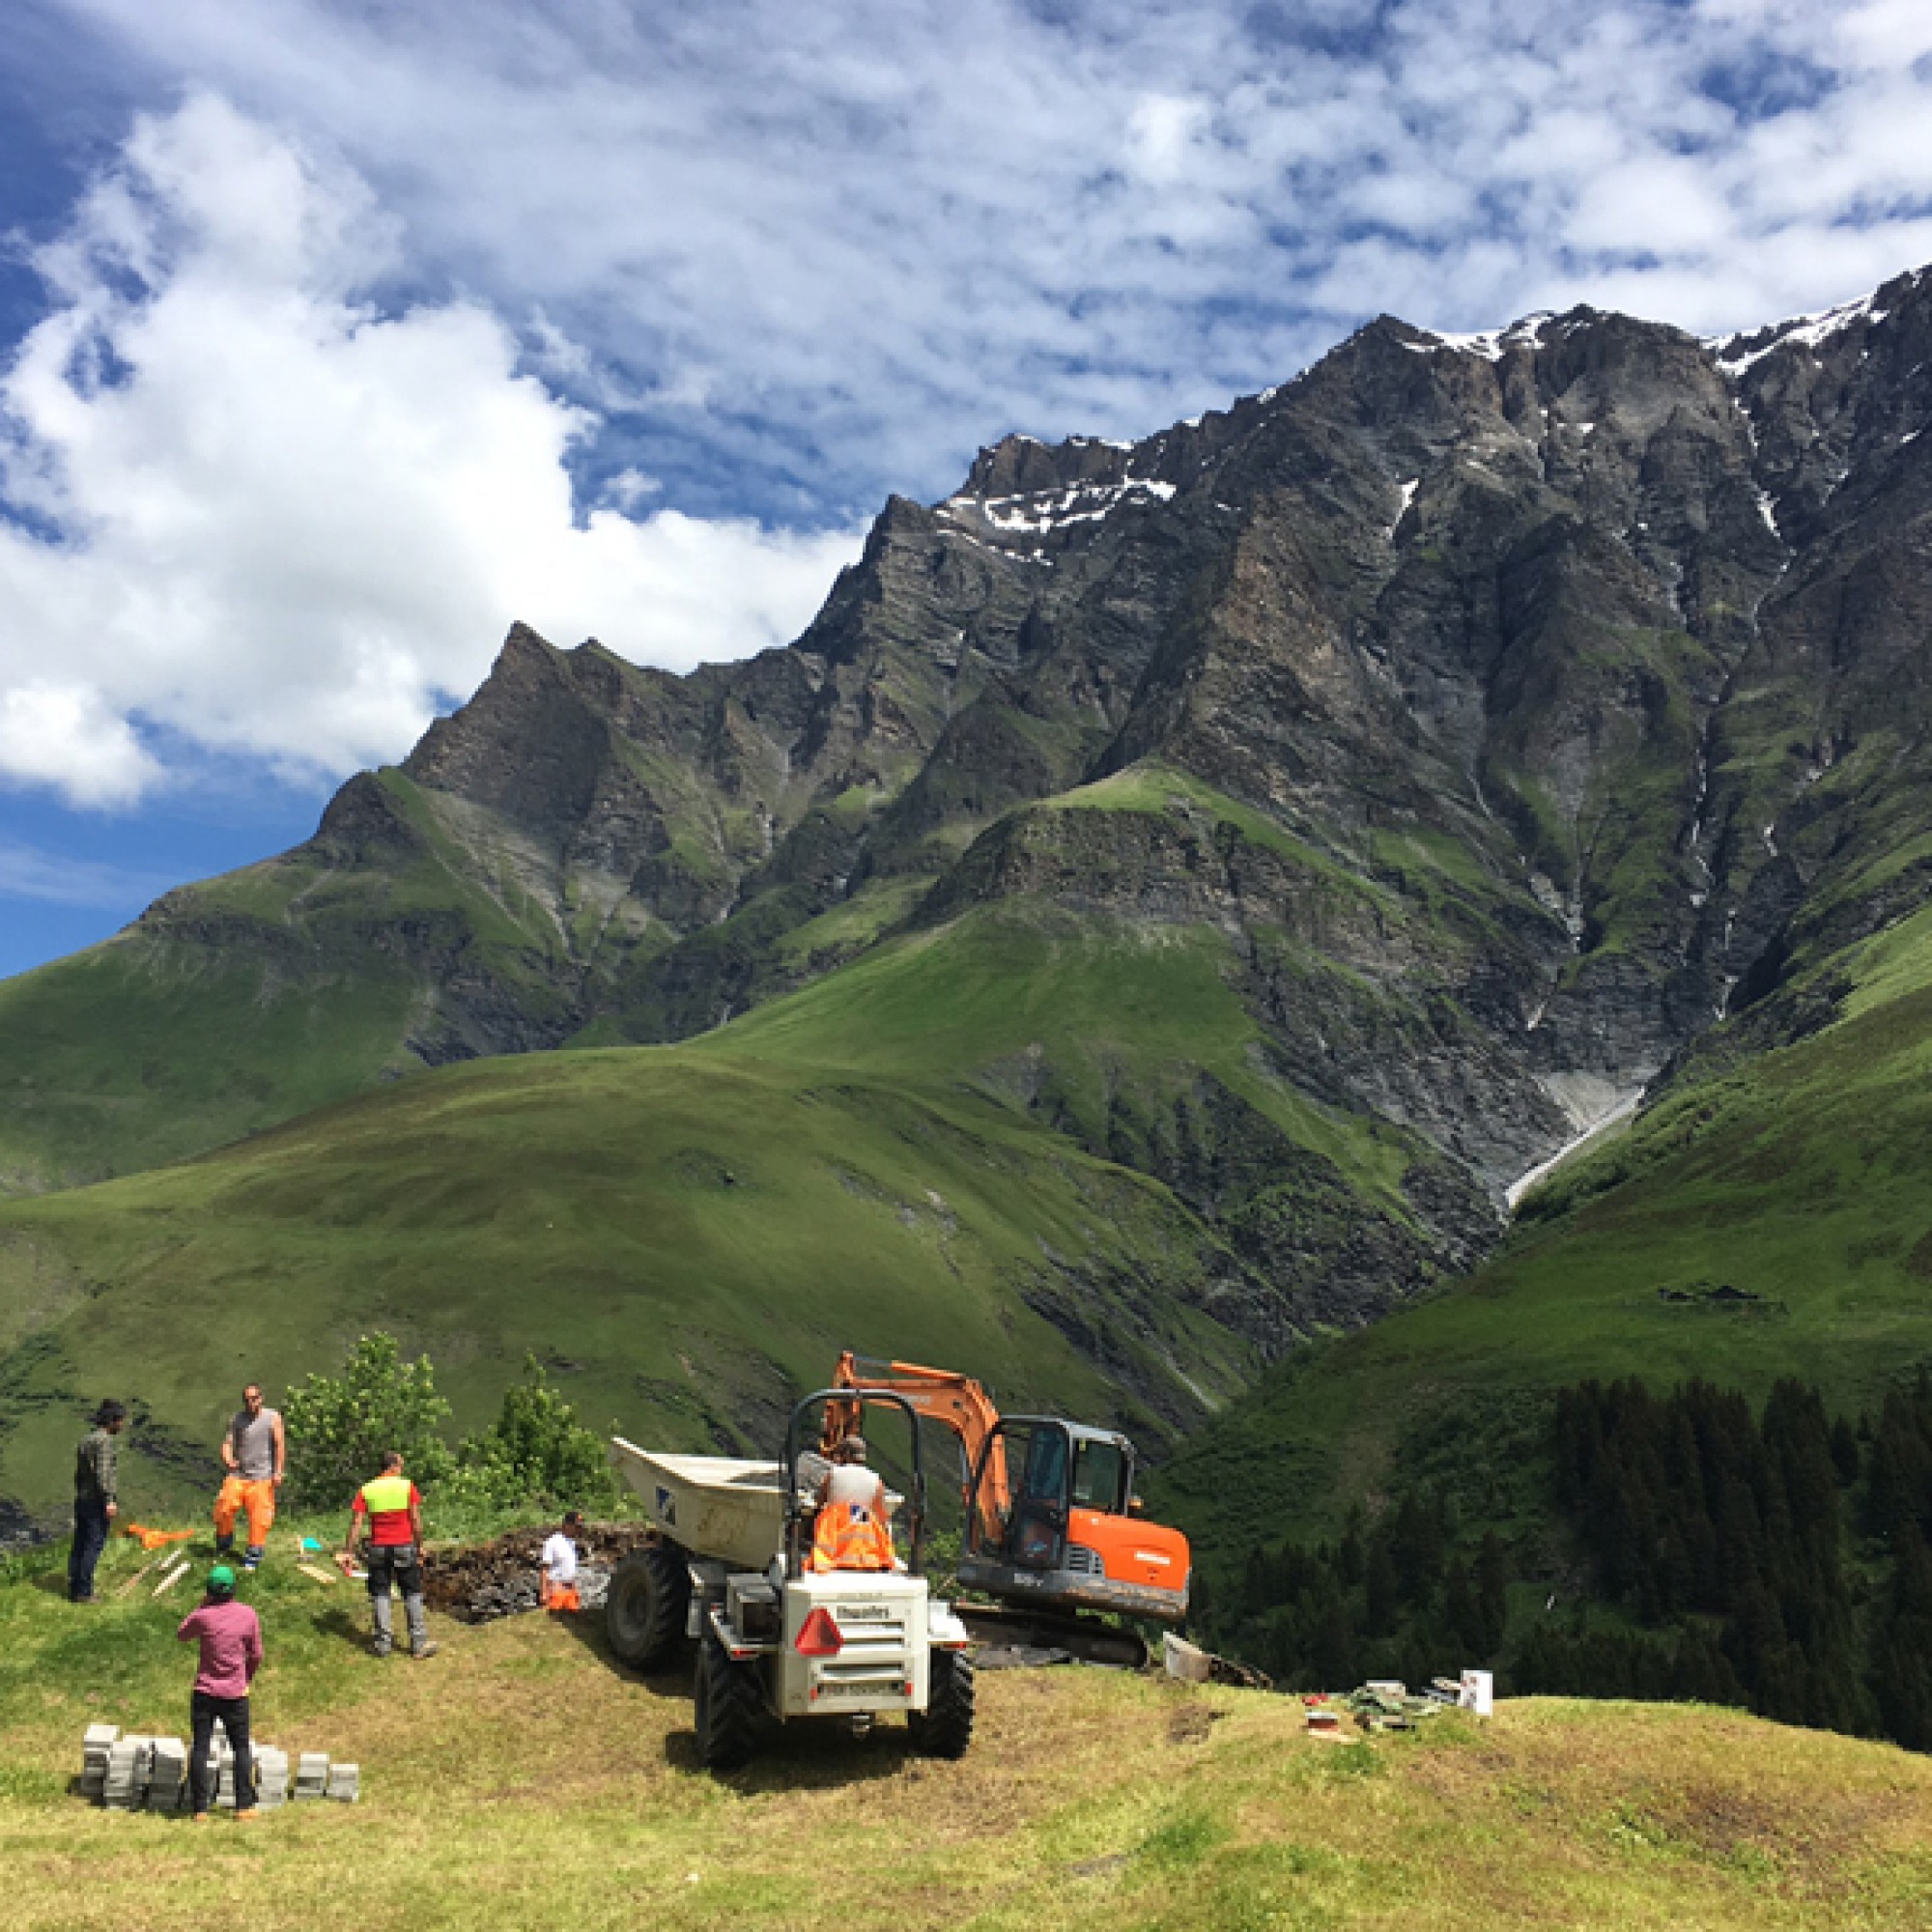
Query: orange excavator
<point>1052,1527</point>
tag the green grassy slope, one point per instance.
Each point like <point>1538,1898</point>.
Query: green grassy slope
<point>519,1778</point>
<point>685,1233</point>
<point>1798,1178</point>
<point>250,998</point>
<point>129,1054</point>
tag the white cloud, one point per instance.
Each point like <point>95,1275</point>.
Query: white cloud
<point>833,248</point>
<point>68,736</point>
<point>763,257</point>
<point>274,518</point>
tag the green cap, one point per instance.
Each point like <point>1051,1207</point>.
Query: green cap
<point>221,1577</point>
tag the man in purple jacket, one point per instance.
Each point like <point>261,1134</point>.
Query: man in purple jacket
<point>229,1635</point>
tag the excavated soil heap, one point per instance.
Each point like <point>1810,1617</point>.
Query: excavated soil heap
<point>500,1579</point>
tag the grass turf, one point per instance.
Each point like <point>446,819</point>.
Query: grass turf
<point>520,1779</point>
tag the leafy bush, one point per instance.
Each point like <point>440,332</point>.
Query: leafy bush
<point>536,1452</point>
<point>339,1426</point>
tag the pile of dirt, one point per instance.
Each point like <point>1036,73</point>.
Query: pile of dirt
<point>481,1581</point>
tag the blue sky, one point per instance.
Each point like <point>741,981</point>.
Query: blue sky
<point>334,335</point>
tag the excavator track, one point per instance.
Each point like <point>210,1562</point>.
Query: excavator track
<point>1083,1637</point>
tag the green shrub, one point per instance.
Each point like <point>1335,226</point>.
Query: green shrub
<point>340,1427</point>
<point>536,1452</point>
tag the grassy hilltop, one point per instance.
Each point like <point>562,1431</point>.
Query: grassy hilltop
<point>519,1778</point>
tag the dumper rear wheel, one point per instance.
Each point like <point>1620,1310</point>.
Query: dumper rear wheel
<point>644,1615</point>
<point>727,1713</point>
<point>944,1728</point>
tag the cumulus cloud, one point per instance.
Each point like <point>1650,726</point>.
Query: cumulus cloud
<point>301,427</point>
<point>260,508</point>
<point>819,252</point>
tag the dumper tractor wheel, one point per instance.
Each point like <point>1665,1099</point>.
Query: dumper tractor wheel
<point>944,1728</point>
<point>727,1709</point>
<point>644,1615</point>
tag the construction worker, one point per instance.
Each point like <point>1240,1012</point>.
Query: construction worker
<point>851,1531</point>
<point>229,1635</point>
<point>96,1499</point>
<point>391,1509</point>
<point>558,1592</point>
<point>253,1452</point>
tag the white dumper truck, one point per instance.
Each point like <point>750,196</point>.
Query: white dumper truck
<point>780,1642</point>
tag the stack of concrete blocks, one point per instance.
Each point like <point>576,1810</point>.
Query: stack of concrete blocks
<point>126,1774</point>
<point>100,1739</point>
<point>271,1778</point>
<point>167,1775</point>
<point>128,1762</point>
<point>311,1775</point>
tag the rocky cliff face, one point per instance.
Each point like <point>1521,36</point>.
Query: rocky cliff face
<point>1512,709</point>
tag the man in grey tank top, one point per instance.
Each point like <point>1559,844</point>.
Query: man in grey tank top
<point>253,1453</point>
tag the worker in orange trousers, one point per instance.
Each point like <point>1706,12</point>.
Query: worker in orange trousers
<point>254,1452</point>
<point>558,1590</point>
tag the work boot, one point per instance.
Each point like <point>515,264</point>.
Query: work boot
<point>223,1544</point>
<point>252,1558</point>
<point>248,1817</point>
<point>202,1818</point>
<point>424,1649</point>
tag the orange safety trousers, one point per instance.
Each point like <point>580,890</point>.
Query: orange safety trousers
<point>848,1539</point>
<point>257,1499</point>
<point>561,1597</point>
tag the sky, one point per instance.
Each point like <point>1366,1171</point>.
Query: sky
<point>336,335</point>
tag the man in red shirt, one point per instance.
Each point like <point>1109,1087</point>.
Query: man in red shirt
<point>229,1635</point>
<point>391,1508</point>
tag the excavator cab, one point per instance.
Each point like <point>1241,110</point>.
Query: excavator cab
<point>1050,1519</point>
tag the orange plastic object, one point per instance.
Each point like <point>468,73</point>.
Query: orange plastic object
<point>155,1539</point>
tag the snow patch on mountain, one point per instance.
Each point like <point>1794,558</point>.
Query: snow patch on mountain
<point>1735,354</point>
<point>1038,511</point>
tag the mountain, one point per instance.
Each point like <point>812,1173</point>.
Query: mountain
<point>1322,812</point>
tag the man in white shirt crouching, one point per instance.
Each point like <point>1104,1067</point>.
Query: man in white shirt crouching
<point>559,1567</point>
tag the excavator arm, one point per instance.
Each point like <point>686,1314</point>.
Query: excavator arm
<point>954,1399</point>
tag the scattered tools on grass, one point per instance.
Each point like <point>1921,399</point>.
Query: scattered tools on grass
<point>173,1577</point>
<point>147,1568</point>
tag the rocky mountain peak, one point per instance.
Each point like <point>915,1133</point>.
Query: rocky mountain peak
<point>1510,717</point>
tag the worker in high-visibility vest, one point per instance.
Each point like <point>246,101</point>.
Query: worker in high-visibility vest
<point>391,1509</point>
<point>850,1531</point>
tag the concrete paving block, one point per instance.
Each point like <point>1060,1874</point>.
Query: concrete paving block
<point>345,1782</point>
<point>124,1782</point>
<point>94,1745</point>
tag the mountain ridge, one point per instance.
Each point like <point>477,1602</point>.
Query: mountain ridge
<point>1511,723</point>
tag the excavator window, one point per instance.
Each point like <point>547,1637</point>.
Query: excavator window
<point>1036,1456</point>
<point>1100,1478</point>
